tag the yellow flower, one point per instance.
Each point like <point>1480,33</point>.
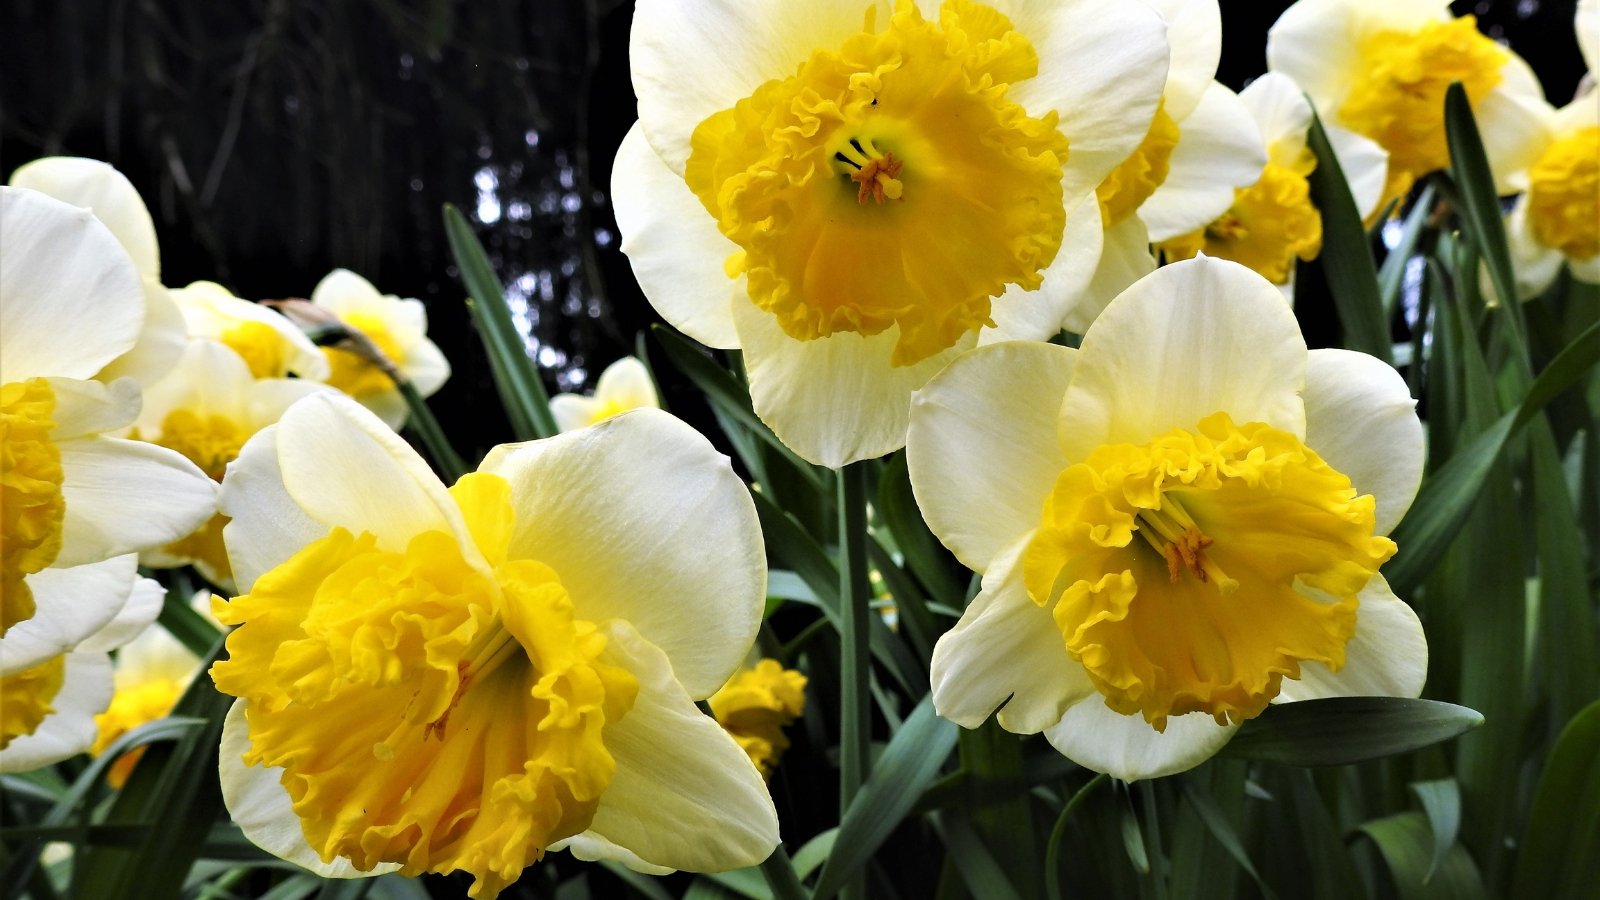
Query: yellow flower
<point>1380,68</point>
<point>1272,222</point>
<point>756,705</point>
<point>398,328</point>
<point>1176,525</point>
<point>624,385</point>
<point>461,679</point>
<point>151,673</point>
<point>267,341</point>
<point>856,193</point>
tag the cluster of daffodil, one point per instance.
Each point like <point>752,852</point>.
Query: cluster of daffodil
<point>1035,249</point>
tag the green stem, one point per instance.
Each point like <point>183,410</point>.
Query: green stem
<point>854,598</point>
<point>1058,835</point>
<point>427,428</point>
<point>781,877</point>
<point>992,754</point>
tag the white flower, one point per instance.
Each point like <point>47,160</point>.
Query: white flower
<point>624,385</point>
<point>399,328</point>
<point>269,342</point>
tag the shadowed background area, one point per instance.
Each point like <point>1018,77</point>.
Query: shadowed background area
<point>275,140</point>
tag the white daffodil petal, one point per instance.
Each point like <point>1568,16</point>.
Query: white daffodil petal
<point>160,340</point>
<point>1194,30</point>
<point>1219,149</point>
<point>70,605</point>
<point>627,383</point>
<point>623,512</point>
<point>267,399</point>
<point>105,478</point>
<point>684,795</point>
<point>101,189</point>
<point>692,58</point>
<point>343,291</point>
<point>1281,112</point>
<point>211,311</point>
<point>86,408</point>
<point>591,847</point>
<point>1318,42</point>
<point>1190,339</point>
<point>426,367</point>
<point>1533,265</point>
<point>136,617</point>
<point>70,730</point>
<point>1006,650</point>
<point>1361,419</point>
<point>62,274</point>
<point>267,526</point>
<point>1021,315</point>
<point>1586,270</point>
<point>1101,68</point>
<point>331,450</point>
<point>260,806</point>
<point>1095,736</point>
<point>1386,657</point>
<point>834,400</point>
<point>1587,23</point>
<point>1124,258</point>
<point>209,379</point>
<point>1365,166</point>
<point>981,446</point>
<point>572,412</point>
<point>672,244</point>
<point>1514,121</point>
<point>389,406</point>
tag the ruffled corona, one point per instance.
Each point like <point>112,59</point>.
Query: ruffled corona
<point>260,346</point>
<point>424,712</point>
<point>1397,98</point>
<point>27,698</point>
<point>31,502</point>
<point>889,182</point>
<point>1131,184</point>
<point>130,708</point>
<point>1195,572</point>
<point>1270,224</point>
<point>756,705</point>
<point>1564,195</point>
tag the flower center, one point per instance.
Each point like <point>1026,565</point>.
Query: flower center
<point>132,706</point>
<point>31,502</point>
<point>260,347</point>
<point>355,374</point>
<point>1253,552</point>
<point>427,713</point>
<point>1270,223</point>
<point>208,440</point>
<point>1130,184</point>
<point>1564,195</point>
<point>889,182</point>
<point>1397,98</point>
<point>26,698</point>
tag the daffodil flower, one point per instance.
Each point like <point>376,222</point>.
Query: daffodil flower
<point>854,193</point>
<point>461,679</point>
<point>206,408</point>
<point>1272,222</point>
<point>271,344</point>
<point>624,385</point>
<point>71,302</point>
<point>1177,524</point>
<point>397,327</point>
<point>756,705</point>
<point>1380,68</point>
<point>1201,146</point>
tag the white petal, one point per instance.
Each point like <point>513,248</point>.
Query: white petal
<point>1281,112</point>
<point>1194,30</point>
<point>70,299</point>
<point>70,730</point>
<point>1318,42</point>
<point>209,379</point>
<point>833,400</point>
<point>211,310</point>
<point>591,847</point>
<point>1387,656</point>
<point>107,478</point>
<point>71,604</point>
<point>673,244</point>
<point>1587,23</point>
<point>644,521</point>
<point>684,795</point>
<point>693,58</point>
<point>136,617</point>
<point>343,291</point>
<point>1124,259</point>
<point>982,445</point>
<point>1219,149</point>
<point>267,526</point>
<point>1190,339</point>
<point>260,806</point>
<point>267,399</point>
<point>1094,736</point>
<point>573,411</point>
<point>92,407</point>
<point>1586,270</point>
<point>1533,265</point>
<point>626,383</point>
<point>1515,122</point>
<point>388,405</point>
<point>101,189</point>
<point>1021,315</point>
<point>345,468</point>
<point>1102,67</point>
<point>1006,646</point>
<point>1360,418</point>
<point>1365,166</point>
<point>426,366</point>
<point>160,340</point>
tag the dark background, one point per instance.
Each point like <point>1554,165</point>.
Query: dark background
<point>277,139</point>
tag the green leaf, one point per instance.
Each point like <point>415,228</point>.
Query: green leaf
<point>1406,844</point>
<point>1480,202</point>
<point>814,853</point>
<point>1340,730</point>
<point>422,423</point>
<point>747,882</point>
<point>1392,275</point>
<point>908,765</point>
<point>521,387</point>
<point>1217,823</point>
<point>1441,803</point>
<point>648,886</point>
<point>978,868</point>
<point>925,557</point>
<point>180,619</point>
<point>1559,857</point>
<point>1346,254</point>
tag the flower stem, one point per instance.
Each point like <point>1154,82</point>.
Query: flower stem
<point>854,596</point>
<point>1058,834</point>
<point>427,428</point>
<point>781,877</point>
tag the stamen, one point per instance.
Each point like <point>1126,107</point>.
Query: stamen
<point>1173,533</point>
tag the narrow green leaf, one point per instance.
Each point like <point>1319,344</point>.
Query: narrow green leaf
<point>1480,202</point>
<point>925,557</point>
<point>815,852</point>
<point>907,766</point>
<point>1058,836</point>
<point>1565,663</point>
<point>181,620</point>
<point>749,882</point>
<point>1222,830</point>
<point>648,886</point>
<point>1406,844</point>
<point>518,411</point>
<point>422,423</point>
<point>1133,841</point>
<point>781,879</point>
<point>982,874</point>
<point>916,621</point>
<point>1558,857</point>
<point>1340,730</point>
<point>1441,803</point>
<point>1346,255</point>
<point>1392,274</point>
<point>855,616</point>
<point>523,387</point>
